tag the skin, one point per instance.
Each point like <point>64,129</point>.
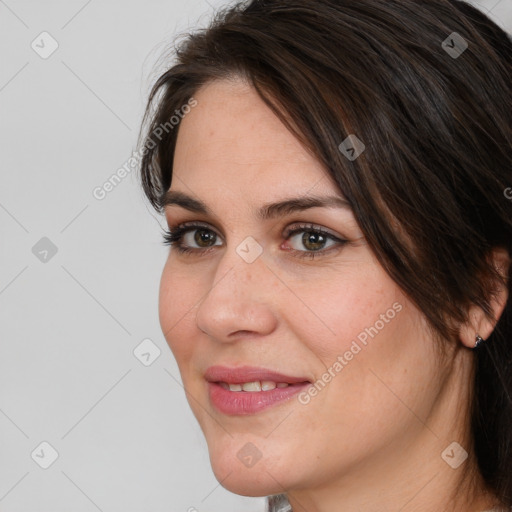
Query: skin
<point>372,439</point>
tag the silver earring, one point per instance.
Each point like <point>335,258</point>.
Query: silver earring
<point>478,340</point>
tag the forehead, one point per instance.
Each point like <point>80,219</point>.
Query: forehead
<point>234,140</point>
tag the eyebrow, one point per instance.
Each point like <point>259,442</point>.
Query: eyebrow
<point>267,211</point>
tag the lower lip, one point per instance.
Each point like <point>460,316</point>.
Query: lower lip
<point>250,402</point>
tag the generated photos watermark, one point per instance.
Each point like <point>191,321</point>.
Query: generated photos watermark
<point>343,360</point>
<point>101,192</point>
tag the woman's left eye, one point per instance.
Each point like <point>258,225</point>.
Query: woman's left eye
<point>313,239</point>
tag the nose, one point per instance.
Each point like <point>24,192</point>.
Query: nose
<point>241,300</point>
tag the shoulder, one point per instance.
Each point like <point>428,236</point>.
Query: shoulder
<point>279,503</point>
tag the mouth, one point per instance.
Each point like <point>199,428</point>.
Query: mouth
<point>255,386</point>
<point>248,390</point>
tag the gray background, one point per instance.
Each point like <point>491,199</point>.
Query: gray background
<point>70,321</point>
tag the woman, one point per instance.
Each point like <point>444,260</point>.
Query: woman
<point>336,293</point>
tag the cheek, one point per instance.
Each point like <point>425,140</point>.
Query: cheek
<point>345,308</point>
<point>379,359</point>
<point>363,331</point>
<point>177,297</point>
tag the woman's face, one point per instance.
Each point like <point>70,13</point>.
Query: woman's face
<point>244,297</point>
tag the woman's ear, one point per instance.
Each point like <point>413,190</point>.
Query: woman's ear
<point>478,324</point>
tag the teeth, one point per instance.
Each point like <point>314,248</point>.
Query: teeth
<point>255,386</point>
<point>252,386</point>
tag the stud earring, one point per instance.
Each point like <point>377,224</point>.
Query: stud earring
<point>478,340</point>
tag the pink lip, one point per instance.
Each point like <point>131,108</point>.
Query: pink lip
<point>247,402</point>
<point>240,374</point>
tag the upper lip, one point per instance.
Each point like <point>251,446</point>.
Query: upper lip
<point>239,374</point>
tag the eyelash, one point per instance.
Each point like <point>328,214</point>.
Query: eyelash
<point>174,236</point>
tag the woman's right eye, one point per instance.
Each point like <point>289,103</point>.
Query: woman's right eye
<point>183,236</point>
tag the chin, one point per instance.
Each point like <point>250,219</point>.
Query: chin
<point>242,468</point>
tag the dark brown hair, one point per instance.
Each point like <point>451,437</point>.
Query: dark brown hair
<point>428,191</point>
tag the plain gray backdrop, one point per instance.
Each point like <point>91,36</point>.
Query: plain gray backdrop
<point>92,412</point>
